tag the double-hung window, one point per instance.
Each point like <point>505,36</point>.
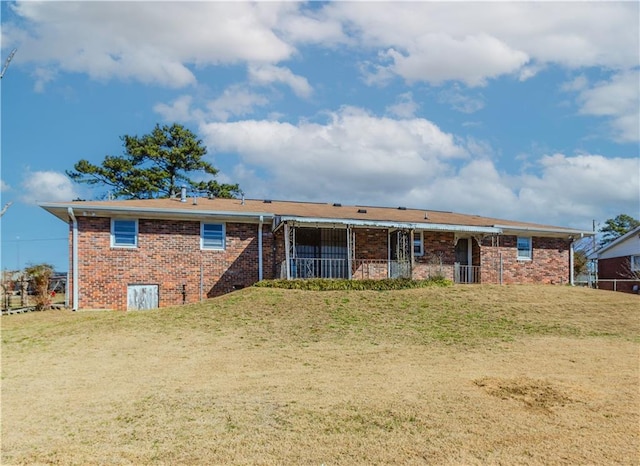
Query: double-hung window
<point>418,243</point>
<point>212,236</point>
<point>524,248</point>
<point>124,233</point>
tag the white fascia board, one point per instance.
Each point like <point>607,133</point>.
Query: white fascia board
<point>145,212</point>
<point>386,224</point>
<point>506,229</point>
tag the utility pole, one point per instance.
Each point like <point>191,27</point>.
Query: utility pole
<point>7,61</point>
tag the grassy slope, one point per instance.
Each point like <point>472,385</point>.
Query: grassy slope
<point>529,375</point>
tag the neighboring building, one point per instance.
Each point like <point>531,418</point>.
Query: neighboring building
<point>619,263</point>
<point>162,252</point>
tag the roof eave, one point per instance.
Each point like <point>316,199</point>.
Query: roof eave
<point>389,224</point>
<point>60,211</point>
<point>544,231</point>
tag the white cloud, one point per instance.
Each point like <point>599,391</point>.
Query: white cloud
<point>179,110</point>
<point>473,59</point>
<point>235,101</point>
<point>149,42</point>
<point>267,74</point>
<point>425,41</point>
<point>353,152</point>
<point>356,157</point>
<point>461,101</point>
<point>405,107</point>
<point>4,186</point>
<point>618,98</point>
<point>47,186</point>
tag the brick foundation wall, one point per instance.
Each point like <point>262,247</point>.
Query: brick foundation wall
<point>168,255</point>
<point>549,264</point>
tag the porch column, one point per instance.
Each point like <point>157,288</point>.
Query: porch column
<point>349,252</point>
<point>287,258</point>
<point>411,248</point>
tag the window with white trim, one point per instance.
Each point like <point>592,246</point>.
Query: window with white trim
<point>418,243</point>
<point>212,236</point>
<point>635,263</point>
<point>524,248</point>
<point>124,233</point>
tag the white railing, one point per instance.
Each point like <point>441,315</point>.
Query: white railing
<point>302,267</point>
<point>466,273</point>
<point>339,268</point>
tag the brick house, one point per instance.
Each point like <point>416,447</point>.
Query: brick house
<point>619,263</point>
<point>162,252</point>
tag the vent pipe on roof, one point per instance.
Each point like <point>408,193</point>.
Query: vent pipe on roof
<point>242,202</point>
<point>183,194</point>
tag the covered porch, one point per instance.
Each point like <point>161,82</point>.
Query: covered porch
<point>314,249</point>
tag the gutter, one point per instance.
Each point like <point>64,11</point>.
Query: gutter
<point>74,259</point>
<point>386,224</point>
<point>158,212</point>
<point>545,230</point>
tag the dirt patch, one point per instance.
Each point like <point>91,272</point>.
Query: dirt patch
<point>536,395</point>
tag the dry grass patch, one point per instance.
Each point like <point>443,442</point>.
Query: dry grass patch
<point>461,375</point>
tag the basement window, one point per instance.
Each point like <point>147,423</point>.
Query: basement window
<point>124,233</point>
<point>524,248</point>
<point>212,236</point>
<point>418,243</point>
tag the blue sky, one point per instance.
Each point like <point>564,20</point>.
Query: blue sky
<point>524,111</point>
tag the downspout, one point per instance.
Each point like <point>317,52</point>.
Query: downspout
<point>74,259</point>
<point>260,248</point>
<point>571,278</point>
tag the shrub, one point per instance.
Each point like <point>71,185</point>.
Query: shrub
<point>325,284</point>
<point>40,275</point>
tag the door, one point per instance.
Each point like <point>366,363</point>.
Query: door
<point>462,269</point>
<point>400,254</point>
<point>142,297</point>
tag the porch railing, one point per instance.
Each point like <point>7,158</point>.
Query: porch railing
<point>376,269</point>
<point>466,273</point>
<point>302,267</point>
<point>339,268</point>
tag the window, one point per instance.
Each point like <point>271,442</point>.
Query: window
<point>635,263</point>
<point>124,233</point>
<point>418,243</point>
<point>524,248</point>
<point>212,236</point>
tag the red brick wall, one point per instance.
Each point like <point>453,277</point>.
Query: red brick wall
<point>168,255</point>
<point>439,256</point>
<point>371,245</point>
<point>549,264</point>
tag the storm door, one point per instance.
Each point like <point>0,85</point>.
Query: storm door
<point>400,254</point>
<point>463,269</point>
